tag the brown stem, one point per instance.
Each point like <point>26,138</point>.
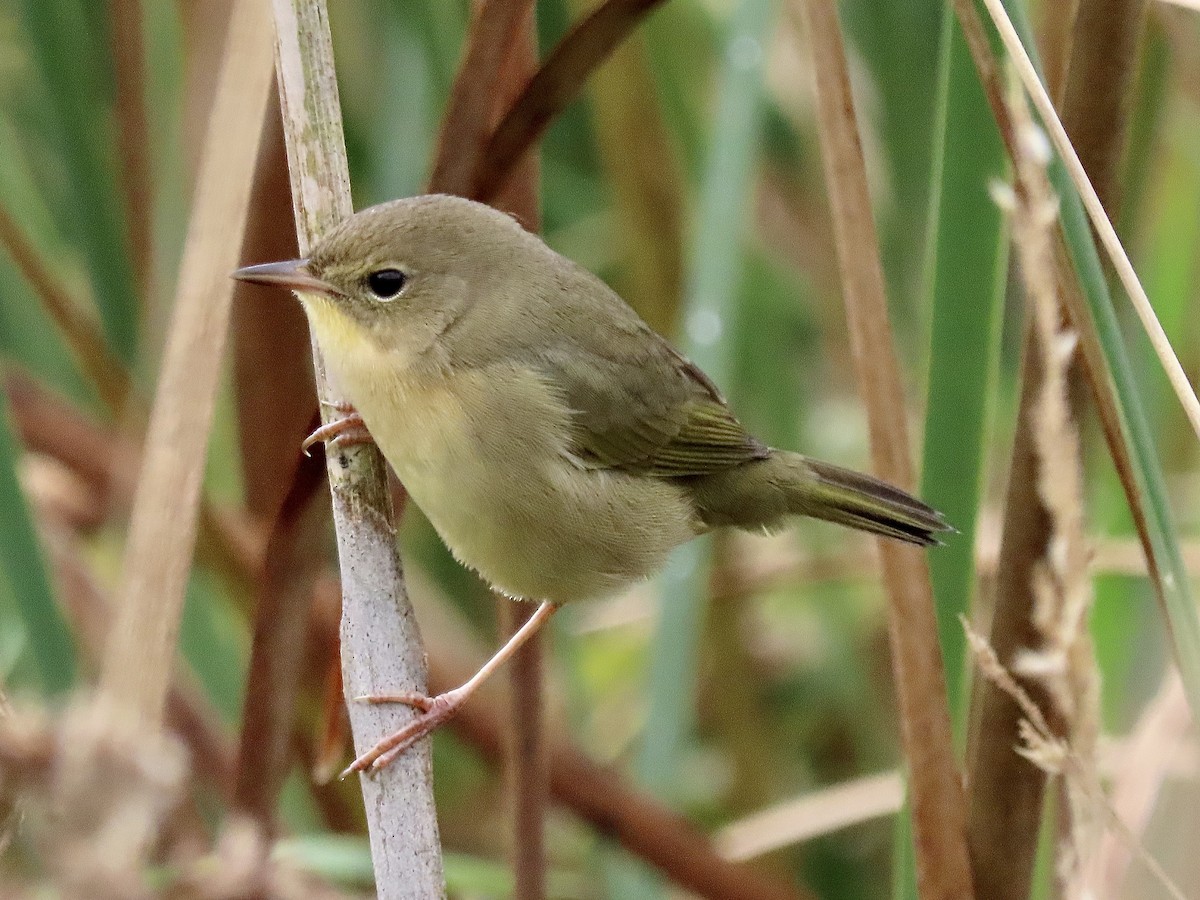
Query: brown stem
<point>525,750</point>
<point>494,26</point>
<point>125,26</point>
<point>935,786</point>
<point>1006,791</point>
<point>293,557</point>
<point>272,367</point>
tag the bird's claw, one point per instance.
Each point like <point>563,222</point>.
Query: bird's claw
<point>434,712</point>
<point>340,433</point>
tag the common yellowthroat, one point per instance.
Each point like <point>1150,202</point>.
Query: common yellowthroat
<point>560,447</point>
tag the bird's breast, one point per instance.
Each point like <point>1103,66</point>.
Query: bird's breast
<point>485,453</point>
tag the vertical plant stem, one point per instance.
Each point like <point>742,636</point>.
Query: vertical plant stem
<point>162,529</point>
<point>381,646</point>
<point>1006,802</point>
<point>526,761</point>
<point>935,787</point>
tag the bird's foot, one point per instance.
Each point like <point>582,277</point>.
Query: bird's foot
<point>434,712</point>
<point>340,433</point>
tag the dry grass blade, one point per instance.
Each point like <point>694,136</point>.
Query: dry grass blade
<point>468,119</point>
<point>935,786</point>
<point>1044,748</point>
<point>1100,221</point>
<point>1095,105</point>
<point>813,815</point>
<point>1147,760</point>
<point>381,646</point>
<point>556,84</point>
<point>162,530</point>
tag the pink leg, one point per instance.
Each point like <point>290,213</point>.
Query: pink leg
<point>434,711</point>
<point>344,432</point>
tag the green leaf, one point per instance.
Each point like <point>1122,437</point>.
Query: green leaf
<point>22,566</point>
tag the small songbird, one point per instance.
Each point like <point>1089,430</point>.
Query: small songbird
<point>560,447</point>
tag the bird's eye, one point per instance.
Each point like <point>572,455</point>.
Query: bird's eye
<point>386,283</point>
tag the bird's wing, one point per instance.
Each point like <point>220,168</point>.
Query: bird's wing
<point>640,406</point>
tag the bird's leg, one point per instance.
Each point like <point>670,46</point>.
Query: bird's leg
<point>434,711</point>
<point>342,432</point>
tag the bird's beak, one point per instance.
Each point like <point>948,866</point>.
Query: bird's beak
<point>292,274</point>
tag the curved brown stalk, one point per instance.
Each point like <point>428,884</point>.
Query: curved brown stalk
<point>555,84</point>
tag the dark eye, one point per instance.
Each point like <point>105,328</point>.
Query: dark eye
<point>386,283</point>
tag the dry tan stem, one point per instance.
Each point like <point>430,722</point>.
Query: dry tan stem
<point>935,786</point>
<point>1062,660</point>
<point>162,531</point>
<point>381,646</point>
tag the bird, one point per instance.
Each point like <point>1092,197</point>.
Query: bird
<point>558,445</point>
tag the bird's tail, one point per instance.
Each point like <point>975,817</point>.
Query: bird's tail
<point>860,501</point>
<point>762,494</point>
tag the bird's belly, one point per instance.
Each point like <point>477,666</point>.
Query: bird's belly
<point>495,480</point>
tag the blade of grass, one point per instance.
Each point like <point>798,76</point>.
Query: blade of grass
<point>646,179</point>
<point>714,269</point>
<point>161,539</point>
<point>1123,421</point>
<point>48,638</point>
<point>82,334</point>
<point>967,264</point>
<point>381,645</point>
<point>935,786</point>
<point>76,73</point>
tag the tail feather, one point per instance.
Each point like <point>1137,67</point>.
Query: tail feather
<point>762,495</point>
<point>868,504</point>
